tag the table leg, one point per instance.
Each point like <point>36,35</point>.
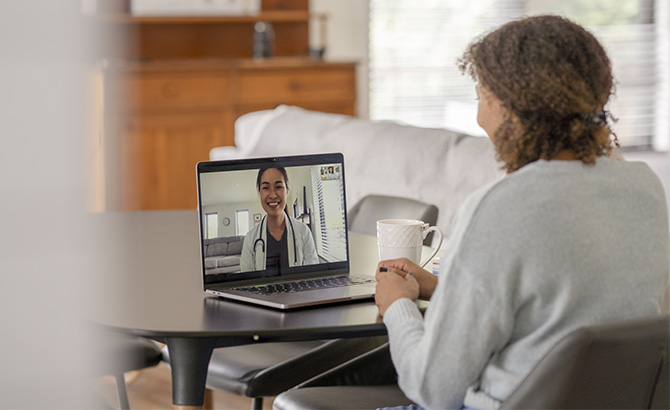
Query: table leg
<point>189,359</point>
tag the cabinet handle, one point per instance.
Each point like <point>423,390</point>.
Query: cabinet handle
<point>295,85</point>
<point>170,90</point>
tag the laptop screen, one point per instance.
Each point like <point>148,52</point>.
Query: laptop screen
<point>268,217</point>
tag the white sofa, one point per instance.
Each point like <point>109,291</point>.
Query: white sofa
<point>433,165</point>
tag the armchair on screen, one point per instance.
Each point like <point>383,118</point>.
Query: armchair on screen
<point>265,370</point>
<point>623,365</point>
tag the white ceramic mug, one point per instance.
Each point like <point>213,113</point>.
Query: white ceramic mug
<point>403,238</point>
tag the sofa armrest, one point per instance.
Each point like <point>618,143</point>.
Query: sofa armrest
<point>248,129</point>
<point>221,153</point>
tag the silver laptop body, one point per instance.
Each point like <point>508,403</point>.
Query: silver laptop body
<point>231,216</point>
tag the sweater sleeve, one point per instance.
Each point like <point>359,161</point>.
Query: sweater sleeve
<point>438,357</point>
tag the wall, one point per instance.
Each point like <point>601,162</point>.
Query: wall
<point>298,181</point>
<point>347,39</point>
<point>228,210</point>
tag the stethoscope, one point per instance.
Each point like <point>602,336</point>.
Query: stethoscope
<point>262,241</point>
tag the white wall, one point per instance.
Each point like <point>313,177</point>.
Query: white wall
<point>347,39</point>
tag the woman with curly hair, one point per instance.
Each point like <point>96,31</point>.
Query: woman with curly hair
<point>570,237</point>
<point>553,89</point>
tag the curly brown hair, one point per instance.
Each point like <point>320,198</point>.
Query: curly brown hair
<point>553,78</point>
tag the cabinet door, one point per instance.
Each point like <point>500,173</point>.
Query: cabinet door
<point>167,122</point>
<point>157,154</point>
<point>171,91</point>
<point>321,88</point>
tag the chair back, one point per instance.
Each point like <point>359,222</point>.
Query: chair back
<point>616,366</point>
<point>363,217</point>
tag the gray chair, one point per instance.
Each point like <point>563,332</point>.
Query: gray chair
<point>364,215</point>
<point>121,354</point>
<point>366,382</point>
<point>265,370</point>
<point>623,365</point>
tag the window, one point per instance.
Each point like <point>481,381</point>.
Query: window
<point>241,222</point>
<point>212,225</point>
<point>414,47</point>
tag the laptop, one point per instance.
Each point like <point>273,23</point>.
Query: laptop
<point>247,256</point>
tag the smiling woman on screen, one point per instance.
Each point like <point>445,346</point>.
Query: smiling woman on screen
<point>279,241</point>
<point>570,237</point>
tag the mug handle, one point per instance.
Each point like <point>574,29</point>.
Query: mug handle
<point>437,248</point>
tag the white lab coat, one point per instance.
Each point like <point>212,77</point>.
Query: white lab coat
<point>300,244</point>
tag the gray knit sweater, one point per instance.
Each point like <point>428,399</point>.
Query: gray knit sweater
<point>549,248</point>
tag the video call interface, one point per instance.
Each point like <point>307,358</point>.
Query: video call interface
<point>232,213</point>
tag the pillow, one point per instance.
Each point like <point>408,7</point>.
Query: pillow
<point>210,262</point>
<point>229,261</point>
<point>235,248</point>
<point>215,249</point>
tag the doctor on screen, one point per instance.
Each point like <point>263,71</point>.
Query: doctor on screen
<point>279,241</point>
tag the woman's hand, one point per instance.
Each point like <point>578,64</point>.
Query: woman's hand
<point>391,287</point>
<point>403,266</point>
<point>401,278</point>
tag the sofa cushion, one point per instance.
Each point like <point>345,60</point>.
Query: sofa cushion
<point>231,260</point>
<point>210,262</point>
<point>235,248</point>
<point>218,248</point>
<point>225,269</point>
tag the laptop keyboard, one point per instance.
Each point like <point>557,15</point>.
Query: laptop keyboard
<point>306,284</point>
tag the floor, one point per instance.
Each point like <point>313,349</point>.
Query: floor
<point>151,389</point>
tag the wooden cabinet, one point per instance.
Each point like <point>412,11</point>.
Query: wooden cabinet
<point>170,114</point>
<point>173,91</point>
<point>176,87</point>
<point>314,85</point>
